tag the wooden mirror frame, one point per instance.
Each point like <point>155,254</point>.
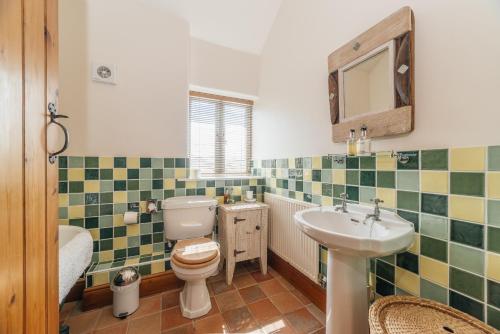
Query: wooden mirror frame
<point>400,27</point>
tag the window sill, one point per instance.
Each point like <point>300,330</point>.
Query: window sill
<point>223,177</point>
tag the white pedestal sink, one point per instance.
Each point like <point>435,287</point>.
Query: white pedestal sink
<point>351,238</point>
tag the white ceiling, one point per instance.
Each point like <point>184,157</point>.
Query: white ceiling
<point>238,24</point>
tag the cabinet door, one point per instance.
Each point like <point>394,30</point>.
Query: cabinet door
<point>248,235</point>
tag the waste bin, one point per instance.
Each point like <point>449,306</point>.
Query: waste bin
<point>125,287</point>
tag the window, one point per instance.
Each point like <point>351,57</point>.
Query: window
<point>220,134</point>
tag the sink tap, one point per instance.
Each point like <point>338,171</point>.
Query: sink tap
<point>376,211</point>
<point>343,208</point>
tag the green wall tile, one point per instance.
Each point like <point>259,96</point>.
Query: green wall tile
<point>434,226</point>
<point>75,187</point>
<point>106,185</point>
<point>366,194</point>
<point>367,162</point>
<point>494,158</point>
<point>412,217</point>
<point>408,180</point>
<point>326,162</point>
<point>493,291</point>
<point>168,163</point>
<point>494,317</point>
<point>367,178</point>
<point>352,177</point>
<point>386,179</point>
<point>75,162</point>
<point>435,204</point>
<point>352,193</point>
<point>91,174</point>
<point>471,184</point>
<point>407,200</point>
<point>467,305</point>
<point>106,174</point>
<point>467,233</point>
<point>385,270</point>
<point>337,190</point>
<point>120,162</point>
<point>413,162</point>
<point>326,189</point>
<point>494,239</point>
<point>466,283</point>
<point>434,248</point>
<point>145,173</point>
<point>352,163</point>
<point>494,213</point>
<point>433,291</point>
<point>467,258</point>
<point>76,199</point>
<point>408,261</point>
<point>435,159</point>
<point>326,175</point>
<point>91,162</point>
<point>156,163</point>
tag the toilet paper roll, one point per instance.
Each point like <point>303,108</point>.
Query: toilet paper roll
<point>130,217</point>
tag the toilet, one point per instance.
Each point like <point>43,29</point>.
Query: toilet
<point>188,220</point>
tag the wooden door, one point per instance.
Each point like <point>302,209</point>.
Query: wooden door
<point>28,184</point>
<point>247,236</point>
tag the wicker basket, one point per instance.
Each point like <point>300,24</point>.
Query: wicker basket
<point>412,315</point>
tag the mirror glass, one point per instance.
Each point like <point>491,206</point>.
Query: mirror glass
<point>367,85</point>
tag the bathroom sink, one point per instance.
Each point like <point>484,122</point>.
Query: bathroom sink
<point>351,238</point>
<point>75,254</point>
<point>352,233</point>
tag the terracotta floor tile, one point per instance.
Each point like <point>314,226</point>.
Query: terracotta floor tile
<point>320,331</point>
<point>272,287</point>
<point>213,310</point>
<point>107,318</point>
<point>240,269</point>
<point>212,324</point>
<point>229,300</point>
<point>317,313</point>
<point>219,277</point>
<point>116,329</point>
<point>277,325</point>
<point>170,299</point>
<point>286,302</point>
<point>220,287</point>
<point>147,306</point>
<point>263,310</point>
<point>172,318</point>
<point>184,329</point>
<point>285,283</point>
<point>261,278</point>
<point>240,320</point>
<point>301,297</point>
<point>67,309</point>
<point>244,281</point>
<point>150,324</point>
<point>303,321</point>
<point>252,294</point>
<point>84,322</point>
<point>273,272</point>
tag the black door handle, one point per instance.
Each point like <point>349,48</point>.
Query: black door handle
<point>53,116</point>
<point>257,227</point>
<point>237,220</point>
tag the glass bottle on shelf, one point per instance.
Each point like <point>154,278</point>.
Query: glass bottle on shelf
<point>364,143</point>
<point>351,143</point>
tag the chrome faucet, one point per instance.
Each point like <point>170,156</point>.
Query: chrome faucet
<point>343,208</point>
<point>376,211</point>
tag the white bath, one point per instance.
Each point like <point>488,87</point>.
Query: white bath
<point>75,254</point>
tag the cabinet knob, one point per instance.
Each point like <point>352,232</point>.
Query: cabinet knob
<point>257,227</point>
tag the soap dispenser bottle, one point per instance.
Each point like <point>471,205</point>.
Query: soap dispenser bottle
<point>351,143</point>
<point>364,144</point>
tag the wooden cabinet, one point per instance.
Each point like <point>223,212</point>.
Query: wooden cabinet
<point>243,235</point>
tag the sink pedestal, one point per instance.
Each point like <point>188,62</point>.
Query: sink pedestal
<point>347,296</point>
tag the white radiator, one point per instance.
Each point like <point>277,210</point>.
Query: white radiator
<point>286,240</point>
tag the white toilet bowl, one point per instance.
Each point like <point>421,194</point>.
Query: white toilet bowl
<point>193,261</point>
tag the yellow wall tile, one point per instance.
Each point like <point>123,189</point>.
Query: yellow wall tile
<point>307,174</point>
<point>338,176</point>
<point>76,211</point>
<point>279,173</point>
<point>237,191</point>
<point>291,162</point>
<point>131,261</point>
<point>100,278</point>
<point>316,188</point>
<point>434,271</point>
<point>146,249</point>
<point>299,195</point>
<point>273,183</point>
<point>169,183</point>
<point>63,221</point>
<point>180,173</point>
<point>94,232</point>
<point>106,255</point>
<point>467,159</point>
<point>326,201</point>
<point>220,200</point>
<point>253,182</point>
<point>133,163</point>
<point>407,281</point>
<point>385,162</point>
<point>76,174</point>
<point>120,197</point>
<point>467,208</point>
<point>91,186</point>
<point>434,182</point>
<point>494,185</point>
<point>415,247</point>
<point>106,162</point>
<point>120,173</point>
<point>132,230</point>
<point>493,266</point>
<point>157,267</point>
<point>210,192</point>
<point>191,185</point>
<point>120,243</point>
<point>388,196</point>
<point>118,220</point>
<point>63,200</point>
<point>316,163</point>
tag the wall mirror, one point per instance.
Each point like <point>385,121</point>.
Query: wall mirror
<point>371,80</point>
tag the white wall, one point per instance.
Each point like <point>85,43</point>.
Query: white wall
<point>457,74</point>
<point>221,68</point>
<point>145,114</point>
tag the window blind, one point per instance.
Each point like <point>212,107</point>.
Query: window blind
<point>220,134</point>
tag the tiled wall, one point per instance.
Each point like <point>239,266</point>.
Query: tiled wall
<point>94,192</point>
<point>452,197</point>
